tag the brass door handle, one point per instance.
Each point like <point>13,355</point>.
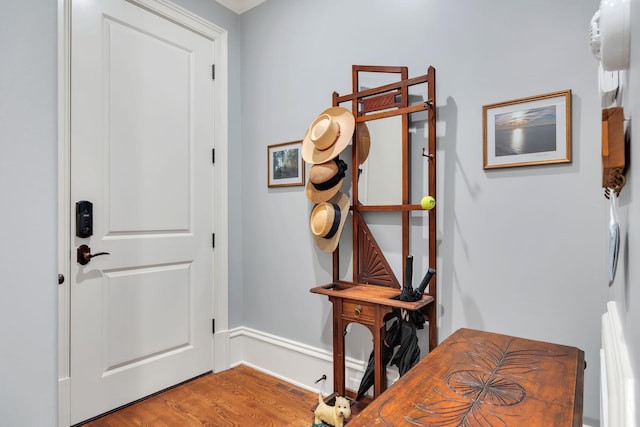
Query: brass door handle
<point>85,255</point>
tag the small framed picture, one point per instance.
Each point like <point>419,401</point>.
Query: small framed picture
<point>285,167</point>
<point>528,131</point>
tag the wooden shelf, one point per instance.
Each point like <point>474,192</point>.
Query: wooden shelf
<point>380,295</point>
<point>385,208</point>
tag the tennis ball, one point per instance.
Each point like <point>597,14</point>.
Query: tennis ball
<point>427,203</point>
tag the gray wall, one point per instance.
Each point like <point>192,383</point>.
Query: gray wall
<point>521,251</point>
<point>28,186</point>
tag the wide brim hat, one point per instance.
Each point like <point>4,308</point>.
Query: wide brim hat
<point>325,180</point>
<point>327,221</point>
<point>363,142</point>
<point>328,135</point>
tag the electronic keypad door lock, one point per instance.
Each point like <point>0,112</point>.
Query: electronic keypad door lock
<point>84,219</point>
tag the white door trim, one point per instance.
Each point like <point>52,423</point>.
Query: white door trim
<point>64,187</point>
<point>221,359</point>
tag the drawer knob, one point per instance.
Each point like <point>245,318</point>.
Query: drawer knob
<point>357,310</point>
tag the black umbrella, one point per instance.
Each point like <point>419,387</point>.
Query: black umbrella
<point>392,337</point>
<point>408,354</point>
<point>391,340</point>
<point>401,332</point>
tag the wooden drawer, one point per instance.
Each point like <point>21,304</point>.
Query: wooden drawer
<point>358,311</point>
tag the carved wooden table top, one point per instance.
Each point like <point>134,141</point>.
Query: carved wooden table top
<point>479,379</point>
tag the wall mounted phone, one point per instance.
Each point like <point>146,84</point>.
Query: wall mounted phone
<point>613,150</point>
<point>84,219</point>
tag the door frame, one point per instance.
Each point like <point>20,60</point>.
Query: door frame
<point>219,222</point>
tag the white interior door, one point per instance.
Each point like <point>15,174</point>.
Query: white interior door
<point>141,140</point>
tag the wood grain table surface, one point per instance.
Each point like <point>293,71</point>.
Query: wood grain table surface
<point>476,378</point>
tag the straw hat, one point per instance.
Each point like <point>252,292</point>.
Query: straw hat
<point>328,135</point>
<point>325,180</point>
<point>327,221</point>
<point>363,142</point>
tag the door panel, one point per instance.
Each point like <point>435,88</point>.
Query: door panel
<point>141,138</point>
<point>141,295</point>
<point>149,130</point>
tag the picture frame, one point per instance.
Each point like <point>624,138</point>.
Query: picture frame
<point>527,131</point>
<point>285,166</point>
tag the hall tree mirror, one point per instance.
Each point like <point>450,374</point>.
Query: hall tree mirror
<point>380,165</point>
<point>380,179</point>
<point>380,174</point>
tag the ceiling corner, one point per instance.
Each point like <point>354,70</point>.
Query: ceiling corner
<point>240,6</point>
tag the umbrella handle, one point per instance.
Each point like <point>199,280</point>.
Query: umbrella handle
<point>408,272</point>
<point>426,280</point>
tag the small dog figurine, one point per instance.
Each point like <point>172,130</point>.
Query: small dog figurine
<point>332,415</point>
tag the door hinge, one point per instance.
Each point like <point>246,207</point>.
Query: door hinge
<point>213,240</point>
<point>213,155</point>
<point>213,326</point>
<point>213,71</point>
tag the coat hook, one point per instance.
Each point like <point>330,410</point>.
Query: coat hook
<point>428,156</point>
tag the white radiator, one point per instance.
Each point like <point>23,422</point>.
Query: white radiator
<point>617,389</point>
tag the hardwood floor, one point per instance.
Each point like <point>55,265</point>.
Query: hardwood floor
<point>240,396</point>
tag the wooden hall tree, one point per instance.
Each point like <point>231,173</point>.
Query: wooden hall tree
<point>371,297</point>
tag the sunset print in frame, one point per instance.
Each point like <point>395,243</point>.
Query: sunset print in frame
<point>527,131</point>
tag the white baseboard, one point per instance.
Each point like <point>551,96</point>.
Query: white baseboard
<point>221,351</point>
<point>64,401</point>
<point>294,362</point>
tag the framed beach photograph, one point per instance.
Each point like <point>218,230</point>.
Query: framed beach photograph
<point>285,167</point>
<point>527,131</point>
